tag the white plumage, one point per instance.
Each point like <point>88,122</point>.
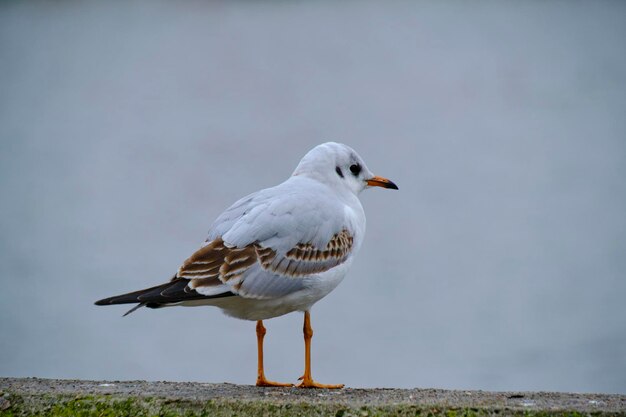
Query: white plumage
<point>278,250</point>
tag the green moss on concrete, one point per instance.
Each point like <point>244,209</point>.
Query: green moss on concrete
<point>111,405</point>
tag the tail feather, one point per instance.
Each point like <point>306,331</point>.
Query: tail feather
<point>172,292</point>
<point>133,309</point>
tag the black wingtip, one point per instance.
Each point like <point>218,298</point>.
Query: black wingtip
<point>118,299</point>
<point>165,294</point>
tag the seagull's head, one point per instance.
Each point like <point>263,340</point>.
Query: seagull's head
<point>338,165</point>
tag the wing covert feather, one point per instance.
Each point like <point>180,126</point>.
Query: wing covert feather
<point>260,272</point>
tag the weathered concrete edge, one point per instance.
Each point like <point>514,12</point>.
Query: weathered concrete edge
<point>34,396</point>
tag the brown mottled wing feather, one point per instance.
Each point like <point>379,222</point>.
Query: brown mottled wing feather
<point>306,259</point>
<point>216,263</point>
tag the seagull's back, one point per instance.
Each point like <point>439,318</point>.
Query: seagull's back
<point>298,210</point>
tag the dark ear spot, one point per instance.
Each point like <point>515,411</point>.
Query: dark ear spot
<point>338,171</point>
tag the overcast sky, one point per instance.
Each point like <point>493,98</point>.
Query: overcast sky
<point>126,128</point>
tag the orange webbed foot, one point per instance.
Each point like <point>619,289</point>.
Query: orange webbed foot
<point>262,382</point>
<point>310,383</point>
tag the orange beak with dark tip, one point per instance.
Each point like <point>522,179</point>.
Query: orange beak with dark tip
<point>381,182</point>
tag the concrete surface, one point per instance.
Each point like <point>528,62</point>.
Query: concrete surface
<point>27,396</point>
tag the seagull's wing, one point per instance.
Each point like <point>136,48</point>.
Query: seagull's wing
<point>255,271</point>
<point>264,244</point>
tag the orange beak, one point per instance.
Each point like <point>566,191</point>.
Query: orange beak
<point>377,181</point>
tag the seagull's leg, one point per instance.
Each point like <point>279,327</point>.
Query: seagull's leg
<point>260,379</point>
<point>307,379</point>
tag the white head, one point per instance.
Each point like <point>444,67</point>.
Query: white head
<point>340,166</point>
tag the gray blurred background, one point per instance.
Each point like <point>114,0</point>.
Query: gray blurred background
<point>127,127</point>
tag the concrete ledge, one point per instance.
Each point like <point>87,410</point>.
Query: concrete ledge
<point>51,397</point>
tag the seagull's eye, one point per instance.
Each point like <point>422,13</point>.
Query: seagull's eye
<point>355,169</point>
<point>338,171</point>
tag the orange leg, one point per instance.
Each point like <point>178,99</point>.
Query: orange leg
<point>307,379</point>
<point>260,379</point>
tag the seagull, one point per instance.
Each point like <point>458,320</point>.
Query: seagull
<point>277,250</point>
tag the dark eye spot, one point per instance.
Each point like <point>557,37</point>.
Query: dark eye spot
<point>355,169</point>
<point>338,171</point>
